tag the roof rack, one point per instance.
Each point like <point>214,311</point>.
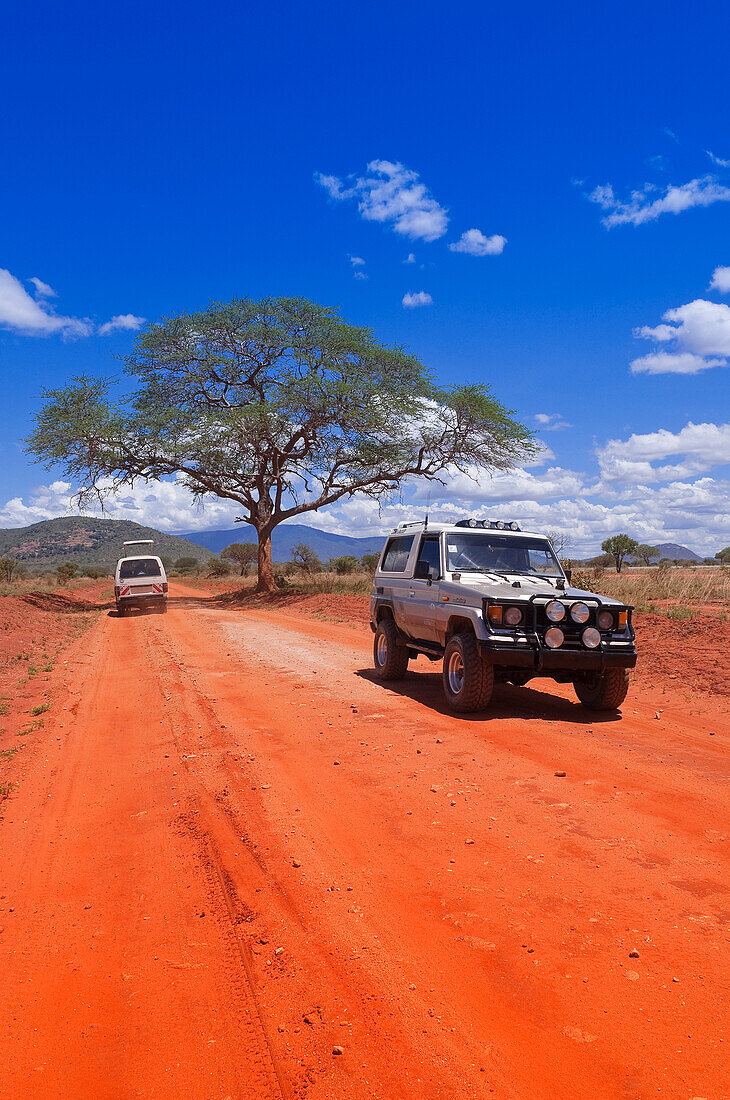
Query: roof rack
<point>144,544</point>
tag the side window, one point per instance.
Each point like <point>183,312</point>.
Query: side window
<point>430,552</point>
<point>396,554</point>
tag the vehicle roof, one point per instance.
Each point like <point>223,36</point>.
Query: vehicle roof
<point>438,528</point>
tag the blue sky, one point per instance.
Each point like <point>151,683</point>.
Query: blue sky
<point>159,156</point>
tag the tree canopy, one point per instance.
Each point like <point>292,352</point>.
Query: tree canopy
<point>243,553</point>
<point>278,405</point>
<point>619,547</point>
<point>644,552</point>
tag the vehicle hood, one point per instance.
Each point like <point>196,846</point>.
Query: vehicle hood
<point>483,586</point>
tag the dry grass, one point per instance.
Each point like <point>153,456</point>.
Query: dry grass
<point>677,592</point>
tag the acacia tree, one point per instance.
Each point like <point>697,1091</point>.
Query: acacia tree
<point>278,405</point>
<point>618,547</point>
<point>306,558</point>
<point>243,553</point>
<point>645,552</point>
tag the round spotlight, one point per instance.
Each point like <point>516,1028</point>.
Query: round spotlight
<point>555,611</point>
<point>484,523</point>
<point>513,616</point>
<point>499,525</point>
<point>591,637</point>
<point>579,613</point>
<point>472,522</point>
<point>554,637</point>
<point>605,620</point>
<point>513,526</point>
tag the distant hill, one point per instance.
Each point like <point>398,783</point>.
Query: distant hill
<point>96,542</point>
<point>673,550</point>
<point>285,537</point>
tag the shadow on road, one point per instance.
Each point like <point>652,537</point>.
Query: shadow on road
<point>55,601</point>
<point>507,702</point>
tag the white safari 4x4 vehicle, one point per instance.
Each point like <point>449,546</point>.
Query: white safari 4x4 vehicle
<point>140,579</point>
<point>495,604</point>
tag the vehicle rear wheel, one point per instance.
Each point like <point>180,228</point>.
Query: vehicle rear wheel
<point>606,691</point>
<point>468,678</point>
<point>389,658</point>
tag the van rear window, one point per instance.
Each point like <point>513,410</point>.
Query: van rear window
<point>139,567</point>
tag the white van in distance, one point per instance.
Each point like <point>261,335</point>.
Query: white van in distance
<point>140,580</point>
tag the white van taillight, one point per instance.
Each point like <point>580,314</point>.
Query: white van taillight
<point>164,587</point>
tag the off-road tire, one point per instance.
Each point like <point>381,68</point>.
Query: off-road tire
<point>607,692</point>
<point>389,659</point>
<point>464,663</point>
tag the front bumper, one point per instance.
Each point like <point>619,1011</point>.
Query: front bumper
<point>539,658</point>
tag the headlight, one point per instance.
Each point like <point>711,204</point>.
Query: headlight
<point>605,620</point>
<point>513,616</point>
<point>579,613</point>
<point>472,523</point>
<point>591,637</point>
<point>554,637</point>
<point>500,525</point>
<point>555,612</point>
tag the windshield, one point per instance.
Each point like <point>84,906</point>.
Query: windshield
<point>491,553</point>
<point>139,567</point>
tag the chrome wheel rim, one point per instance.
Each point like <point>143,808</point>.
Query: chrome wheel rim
<point>455,672</point>
<point>381,650</point>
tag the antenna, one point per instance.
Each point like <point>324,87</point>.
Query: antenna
<point>428,505</point>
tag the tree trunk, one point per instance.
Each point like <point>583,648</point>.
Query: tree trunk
<point>266,581</point>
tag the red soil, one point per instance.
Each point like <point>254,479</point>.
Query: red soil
<point>231,856</point>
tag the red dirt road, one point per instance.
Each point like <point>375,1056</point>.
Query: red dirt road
<point>231,853</point>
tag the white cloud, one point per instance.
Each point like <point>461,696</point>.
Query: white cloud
<point>721,280</point>
<point>410,259</point>
<point>700,332</point>
<point>420,298</point>
<point>28,316</point>
<point>474,243</point>
<point>42,290</point>
<point>23,314</point>
<point>123,322</point>
<point>392,194</point>
<point>718,160</point>
<point>645,206</point>
<point>632,461</point>
<point>166,505</point>
<point>666,362</point>
<point>552,422</point>
<point>357,261</point>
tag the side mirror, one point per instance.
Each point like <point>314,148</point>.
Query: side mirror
<point>568,574</point>
<point>422,572</point>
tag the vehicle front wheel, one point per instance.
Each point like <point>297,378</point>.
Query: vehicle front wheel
<point>605,691</point>
<point>389,658</point>
<point>468,678</point>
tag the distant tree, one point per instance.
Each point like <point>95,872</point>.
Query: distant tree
<point>167,562</point>
<point>217,567</point>
<point>369,562</point>
<point>619,547</point>
<point>559,539</point>
<point>708,561</point>
<point>723,556</point>
<point>186,564</point>
<point>66,571</point>
<point>8,568</point>
<point>343,565</point>
<point>278,405</point>
<point>645,553</point>
<point>243,553</point>
<point>305,557</point>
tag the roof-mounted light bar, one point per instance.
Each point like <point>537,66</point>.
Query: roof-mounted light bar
<point>493,524</point>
